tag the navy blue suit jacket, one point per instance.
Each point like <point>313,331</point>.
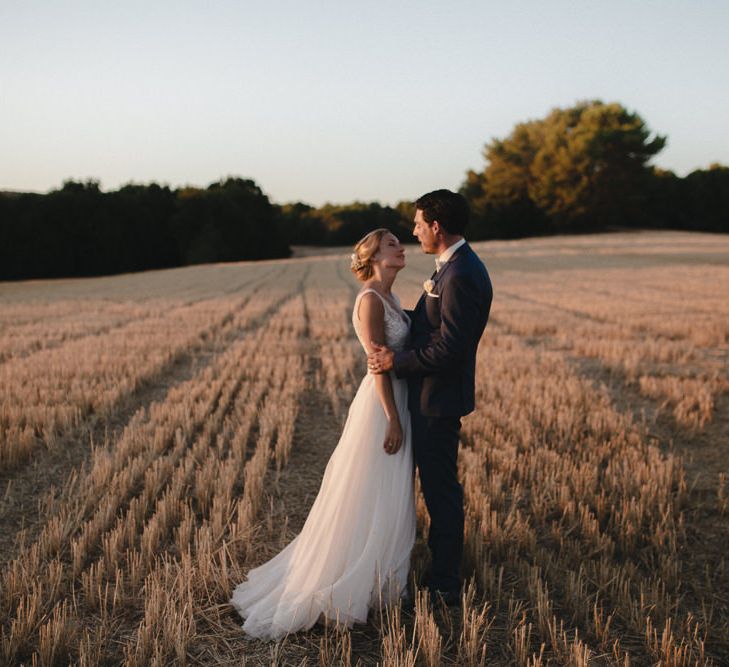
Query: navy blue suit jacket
<point>440,364</point>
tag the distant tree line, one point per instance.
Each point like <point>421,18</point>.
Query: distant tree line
<point>343,224</point>
<point>581,169</point>
<point>79,230</point>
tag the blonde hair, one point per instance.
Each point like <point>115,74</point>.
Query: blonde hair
<point>364,250</point>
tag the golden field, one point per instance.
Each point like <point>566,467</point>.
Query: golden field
<point>163,432</point>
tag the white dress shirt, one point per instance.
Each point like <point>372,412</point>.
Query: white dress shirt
<point>446,255</point>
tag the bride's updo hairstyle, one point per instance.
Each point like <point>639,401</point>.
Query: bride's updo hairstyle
<point>364,250</point>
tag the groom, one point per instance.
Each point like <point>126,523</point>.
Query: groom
<point>440,366</point>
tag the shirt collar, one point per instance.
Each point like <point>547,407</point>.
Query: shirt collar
<point>446,255</point>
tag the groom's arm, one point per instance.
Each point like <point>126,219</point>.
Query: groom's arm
<point>460,304</point>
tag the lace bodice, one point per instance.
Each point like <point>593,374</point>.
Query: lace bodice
<point>397,323</point>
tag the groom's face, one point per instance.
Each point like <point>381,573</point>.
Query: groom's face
<point>425,233</point>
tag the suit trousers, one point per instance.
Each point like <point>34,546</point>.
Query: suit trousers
<point>435,448</point>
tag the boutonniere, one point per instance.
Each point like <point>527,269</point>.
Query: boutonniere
<point>429,286</point>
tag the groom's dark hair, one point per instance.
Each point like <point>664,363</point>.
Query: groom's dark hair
<point>450,209</point>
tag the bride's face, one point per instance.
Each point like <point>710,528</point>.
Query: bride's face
<point>391,253</point>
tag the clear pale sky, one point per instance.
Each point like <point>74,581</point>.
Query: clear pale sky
<point>337,101</point>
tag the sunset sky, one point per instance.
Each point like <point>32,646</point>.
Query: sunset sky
<point>337,101</point>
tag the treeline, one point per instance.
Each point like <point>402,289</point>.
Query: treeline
<point>344,224</point>
<point>581,169</point>
<point>79,230</point>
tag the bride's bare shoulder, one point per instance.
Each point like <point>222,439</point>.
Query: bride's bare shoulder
<point>370,307</point>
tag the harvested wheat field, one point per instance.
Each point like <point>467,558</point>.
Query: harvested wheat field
<point>161,433</point>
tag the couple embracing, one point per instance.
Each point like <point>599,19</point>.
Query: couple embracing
<point>354,549</point>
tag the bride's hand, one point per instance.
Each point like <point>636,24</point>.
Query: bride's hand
<point>393,437</point>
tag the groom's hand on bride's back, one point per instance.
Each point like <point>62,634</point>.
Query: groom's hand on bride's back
<point>380,361</point>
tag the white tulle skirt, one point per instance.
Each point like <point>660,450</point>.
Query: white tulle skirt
<point>354,549</point>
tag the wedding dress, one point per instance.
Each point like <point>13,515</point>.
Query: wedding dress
<point>354,549</point>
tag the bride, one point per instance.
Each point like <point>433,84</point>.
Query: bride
<point>354,549</point>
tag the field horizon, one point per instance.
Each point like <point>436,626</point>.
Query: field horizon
<point>163,432</point>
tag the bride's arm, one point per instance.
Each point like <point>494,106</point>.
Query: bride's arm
<point>371,314</point>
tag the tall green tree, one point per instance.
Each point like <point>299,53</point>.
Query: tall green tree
<point>584,167</point>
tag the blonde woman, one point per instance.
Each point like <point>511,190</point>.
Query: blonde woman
<point>354,549</point>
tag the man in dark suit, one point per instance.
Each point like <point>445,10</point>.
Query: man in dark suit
<point>440,365</point>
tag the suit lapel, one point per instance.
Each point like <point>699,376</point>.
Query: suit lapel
<point>437,276</point>
<point>421,300</point>
<point>443,269</point>
<point>456,255</point>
